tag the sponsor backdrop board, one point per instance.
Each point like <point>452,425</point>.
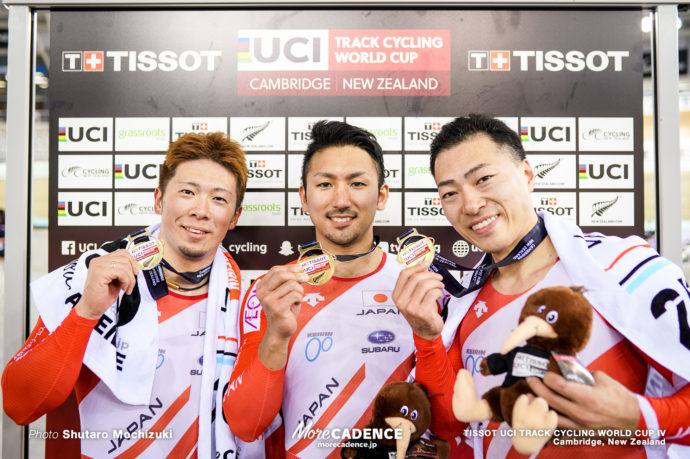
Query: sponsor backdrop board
<point>125,83</point>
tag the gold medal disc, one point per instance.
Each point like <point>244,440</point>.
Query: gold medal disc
<point>147,253</point>
<point>317,264</point>
<point>415,248</point>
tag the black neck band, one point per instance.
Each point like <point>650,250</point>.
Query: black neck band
<point>482,272</point>
<point>194,277</point>
<point>357,255</point>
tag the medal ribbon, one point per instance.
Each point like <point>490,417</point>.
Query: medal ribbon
<point>482,272</point>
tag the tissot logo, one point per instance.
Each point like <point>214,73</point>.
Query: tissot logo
<point>84,209</point>
<point>85,134</point>
<point>548,134</point>
<point>280,49</point>
<point>143,61</point>
<point>561,204</point>
<point>266,171</point>
<point>419,132</point>
<point>181,126</point>
<point>423,209</point>
<point>299,130</point>
<point>540,61</point>
<point>598,171</point>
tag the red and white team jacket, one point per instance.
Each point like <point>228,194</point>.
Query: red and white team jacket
<point>619,266</point>
<point>108,427</point>
<point>350,341</point>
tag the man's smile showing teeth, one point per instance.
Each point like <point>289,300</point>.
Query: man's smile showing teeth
<point>195,231</point>
<point>341,219</point>
<point>484,223</point>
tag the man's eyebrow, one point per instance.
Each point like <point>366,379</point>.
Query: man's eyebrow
<point>332,176</point>
<point>466,175</point>
<point>196,185</point>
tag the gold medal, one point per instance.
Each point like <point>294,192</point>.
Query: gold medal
<point>146,250</point>
<point>415,248</point>
<point>316,263</point>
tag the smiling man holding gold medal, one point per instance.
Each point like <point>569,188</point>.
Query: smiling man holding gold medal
<point>320,337</point>
<point>144,328</point>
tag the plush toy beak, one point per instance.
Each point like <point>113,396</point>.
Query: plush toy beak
<point>529,328</point>
<point>407,428</point>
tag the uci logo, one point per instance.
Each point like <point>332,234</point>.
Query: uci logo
<point>80,133</point>
<point>542,133</point>
<point>134,171</point>
<point>282,50</point>
<point>78,208</point>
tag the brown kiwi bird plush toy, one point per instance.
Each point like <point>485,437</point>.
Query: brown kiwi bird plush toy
<point>554,319</point>
<point>404,406</point>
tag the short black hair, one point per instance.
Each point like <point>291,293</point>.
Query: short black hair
<point>460,129</point>
<point>326,134</point>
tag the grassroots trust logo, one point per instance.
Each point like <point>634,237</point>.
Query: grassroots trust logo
<point>306,432</point>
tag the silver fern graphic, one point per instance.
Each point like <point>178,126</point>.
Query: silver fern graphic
<point>542,169</point>
<point>252,131</point>
<point>600,207</point>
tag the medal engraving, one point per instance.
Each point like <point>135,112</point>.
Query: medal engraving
<point>415,248</point>
<point>316,263</point>
<point>146,250</point>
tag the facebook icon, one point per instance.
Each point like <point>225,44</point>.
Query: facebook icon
<point>68,247</point>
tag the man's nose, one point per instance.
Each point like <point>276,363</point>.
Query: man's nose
<point>472,202</point>
<point>341,198</point>
<point>201,207</point>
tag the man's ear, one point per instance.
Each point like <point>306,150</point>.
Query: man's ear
<point>384,192</point>
<point>529,173</point>
<point>235,218</point>
<point>303,199</point>
<point>158,201</point>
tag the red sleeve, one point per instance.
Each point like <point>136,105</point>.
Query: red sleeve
<point>435,371</point>
<point>44,371</point>
<point>255,393</point>
<point>672,416</point>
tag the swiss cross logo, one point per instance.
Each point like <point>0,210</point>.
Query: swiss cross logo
<point>262,163</point>
<point>436,201</point>
<point>549,201</point>
<point>479,60</point>
<point>71,61</point>
<point>499,60</point>
<point>93,61</point>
